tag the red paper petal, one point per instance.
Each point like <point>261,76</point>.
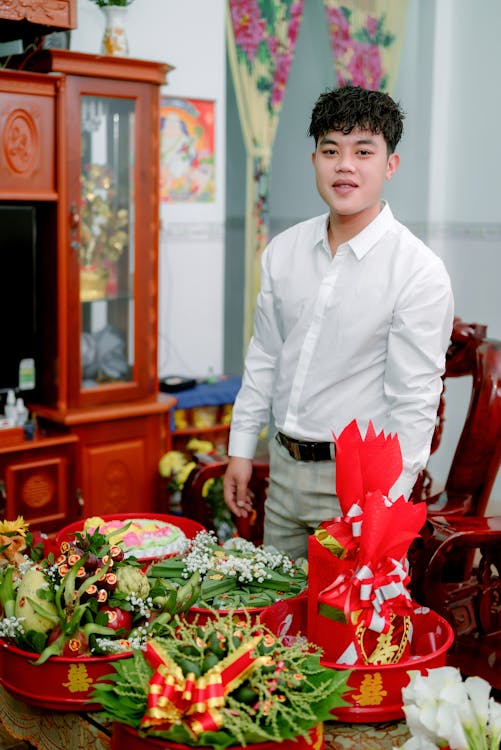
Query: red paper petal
<point>365,464</point>
<point>387,531</point>
<point>381,462</point>
<point>349,479</point>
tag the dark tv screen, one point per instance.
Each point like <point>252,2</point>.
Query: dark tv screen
<point>17,296</point>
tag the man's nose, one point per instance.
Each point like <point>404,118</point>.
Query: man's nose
<point>345,163</point>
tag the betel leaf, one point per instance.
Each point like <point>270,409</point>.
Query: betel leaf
<point>32,641</point>
<point>293,692</point>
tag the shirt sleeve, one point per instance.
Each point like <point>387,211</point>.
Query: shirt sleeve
<point>418,341</point>
<point>252,408</point>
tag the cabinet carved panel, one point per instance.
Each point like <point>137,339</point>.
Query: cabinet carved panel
<point>114,472</point>
<point>39,484</point>
<point>56,14</point>
<point>27,129</point>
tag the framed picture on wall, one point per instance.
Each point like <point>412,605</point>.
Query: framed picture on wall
<point>186,150</point>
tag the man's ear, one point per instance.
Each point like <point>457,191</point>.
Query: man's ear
<point>392,166</point>
<point>313,158</point>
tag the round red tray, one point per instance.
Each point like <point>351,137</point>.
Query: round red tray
<point>375,693</point>
<point>61,683</point>
<point>125,737</point>
<point>187,525</point>
<point>202,615</point>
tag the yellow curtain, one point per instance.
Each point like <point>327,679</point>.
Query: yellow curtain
<point>366,40</point>
<point>261,38</point>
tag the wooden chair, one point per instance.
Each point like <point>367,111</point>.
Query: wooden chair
<point>195,506</point>
<point>478,453</point>
<point>455,564</point>
<point>462,583</point>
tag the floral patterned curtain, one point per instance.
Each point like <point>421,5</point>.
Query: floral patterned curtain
<point>366,39</point>
<point>261,41</point>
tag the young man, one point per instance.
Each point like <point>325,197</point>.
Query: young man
<point>352,321</point>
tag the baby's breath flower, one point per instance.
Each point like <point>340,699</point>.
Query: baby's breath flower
<point>11,627</point>
<point>141,606</point>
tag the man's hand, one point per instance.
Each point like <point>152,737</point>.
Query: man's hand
<point>235,483</point>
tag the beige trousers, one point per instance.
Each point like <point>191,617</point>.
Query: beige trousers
<point>301,495</point>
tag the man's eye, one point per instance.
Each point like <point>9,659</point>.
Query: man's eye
<point>364,152</point>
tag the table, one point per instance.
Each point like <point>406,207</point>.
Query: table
<point>80,731</point>
<point>204,412</point>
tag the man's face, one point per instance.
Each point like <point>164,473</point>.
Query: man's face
<point>351,170</point>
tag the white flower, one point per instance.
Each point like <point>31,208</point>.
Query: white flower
<point>494,724</point>
<point>441,709</point>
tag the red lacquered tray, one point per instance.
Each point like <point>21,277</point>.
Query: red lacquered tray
<point>61,683</point>
<point>187,526</point>
<point>125,737</point>
<point>375,691</point>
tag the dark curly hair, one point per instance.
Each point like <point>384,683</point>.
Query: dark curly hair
<point>351,107</point>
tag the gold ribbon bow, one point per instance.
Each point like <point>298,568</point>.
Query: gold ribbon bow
<point>194,701</point>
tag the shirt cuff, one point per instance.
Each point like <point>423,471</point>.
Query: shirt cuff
<point>242,444</point>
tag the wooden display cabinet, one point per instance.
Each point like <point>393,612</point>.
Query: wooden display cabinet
<point>94,125</point>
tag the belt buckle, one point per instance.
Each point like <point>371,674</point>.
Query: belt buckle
<point>295,451</point>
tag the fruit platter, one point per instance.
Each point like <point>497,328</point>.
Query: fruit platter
<point>145,536</point>
<point>65,615</point>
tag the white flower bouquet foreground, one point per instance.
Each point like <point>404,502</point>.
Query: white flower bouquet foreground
<point>442,711</point>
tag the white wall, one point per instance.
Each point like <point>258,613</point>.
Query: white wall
<point>446,189</point>
<point>188,35</point>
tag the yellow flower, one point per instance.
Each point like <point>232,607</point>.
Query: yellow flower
<point>171,463</point>
<point>200,446</point>
<point>206,488</point>
<point>183,474</point>
<point>19,526</point>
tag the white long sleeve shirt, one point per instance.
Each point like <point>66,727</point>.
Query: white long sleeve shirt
<point>361,335</point>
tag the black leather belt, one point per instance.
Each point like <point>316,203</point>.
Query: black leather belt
<point>303,450</point>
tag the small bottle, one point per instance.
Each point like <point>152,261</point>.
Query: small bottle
<point>21,413</point>
<point>10,407</point>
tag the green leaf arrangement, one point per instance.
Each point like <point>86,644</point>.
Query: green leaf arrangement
<point>235,575</point>
<point>283,697</point>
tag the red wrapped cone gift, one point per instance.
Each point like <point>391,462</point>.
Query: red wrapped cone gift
<point>359,606</point>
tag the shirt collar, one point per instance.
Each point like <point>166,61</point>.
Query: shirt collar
<point>372,233</point>
<point>364,240</point>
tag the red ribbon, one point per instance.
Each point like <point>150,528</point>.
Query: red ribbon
<point>373,596</point>
<point>194,701</point>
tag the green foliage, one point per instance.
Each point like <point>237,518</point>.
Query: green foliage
<point>283,697</point>
<point>110,3</point>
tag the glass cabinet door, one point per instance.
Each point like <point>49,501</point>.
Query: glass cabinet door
<point>106,252</point>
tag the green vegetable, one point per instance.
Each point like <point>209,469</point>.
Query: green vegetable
<point>132,580</point>
<point>39,613</point>
<point>7,591</point>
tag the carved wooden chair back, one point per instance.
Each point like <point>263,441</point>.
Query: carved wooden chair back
<point>477,456</point>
